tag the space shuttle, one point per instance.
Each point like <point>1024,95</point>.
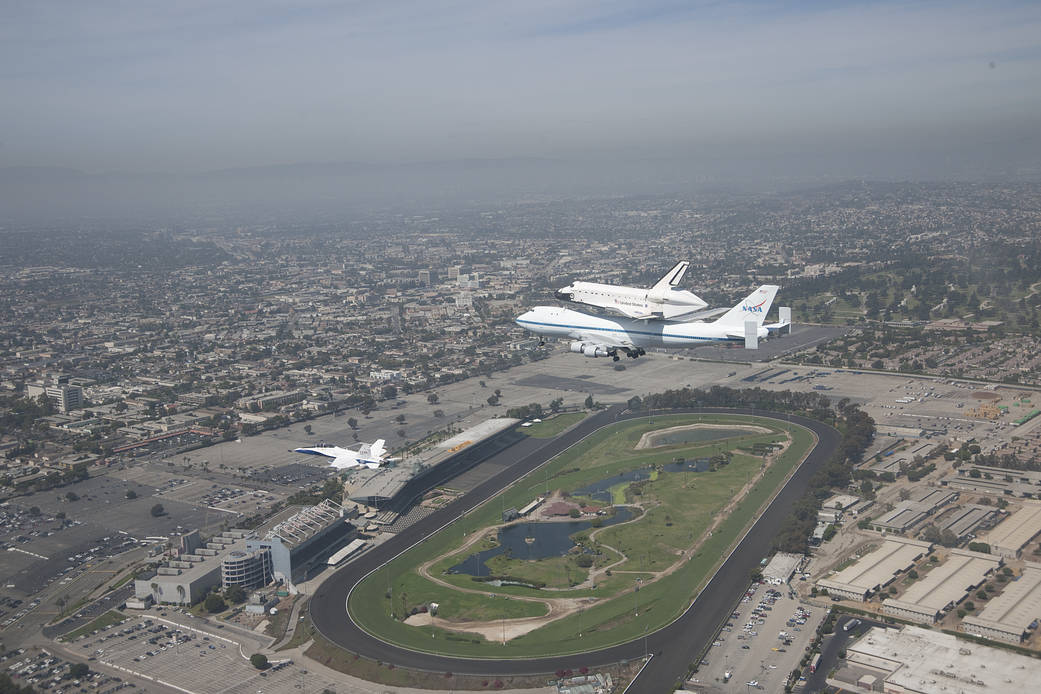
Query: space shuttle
<point>663,301</point>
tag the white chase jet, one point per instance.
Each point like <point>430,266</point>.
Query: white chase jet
<point>596,336</point>
<point>663,301</point>
<point>370,455</point>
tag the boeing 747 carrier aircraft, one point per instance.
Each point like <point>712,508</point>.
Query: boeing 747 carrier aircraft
<point>596,336</point>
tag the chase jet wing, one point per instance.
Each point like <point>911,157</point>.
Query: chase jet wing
<point>339,458</point>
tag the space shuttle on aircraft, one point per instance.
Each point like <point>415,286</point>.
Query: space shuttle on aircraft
<point>370,455</point>
<point>663,301</point>
<point>597,336</point>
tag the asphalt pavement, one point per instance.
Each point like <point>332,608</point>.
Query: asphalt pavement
<point>674,647</point>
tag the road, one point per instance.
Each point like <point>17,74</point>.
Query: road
<point>831,647</point>
<point>674,646</point>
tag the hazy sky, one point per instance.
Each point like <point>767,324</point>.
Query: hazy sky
<point>181,85</point>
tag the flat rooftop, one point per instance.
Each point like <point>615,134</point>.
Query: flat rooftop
<point>1016,530</point>
<point>477,433</point>
<point>951,580</point>
<point>927,661</point>
<point>879,567</point>
<point>1016,607</point>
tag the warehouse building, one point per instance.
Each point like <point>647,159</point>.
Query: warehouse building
<point>913,660</point>
<point>1008,538</point>
<point>943,587</point>
<point>876,570</point>
<point>995,480</point>
<point>922,504</point>
<point>1008,616</point>
<point>781,567</point>
<point>965,520</point>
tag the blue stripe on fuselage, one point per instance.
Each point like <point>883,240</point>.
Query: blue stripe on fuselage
<point>627,332</point>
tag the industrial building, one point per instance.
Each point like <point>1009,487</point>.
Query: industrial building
<point>922,504</point>
<point>1008,616</point>
<point>913,660</point>
<point>996,480</point>
<point>876,570</point>
<point>781,567</point>
<point>965,520</point>
<point>943,587</point>
<point>1009,536</point>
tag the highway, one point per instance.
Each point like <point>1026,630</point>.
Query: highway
<point>674,646</point>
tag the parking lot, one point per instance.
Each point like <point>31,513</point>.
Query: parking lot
<point>194,660</point>
<point>761,644</point>
<point>46,672</point>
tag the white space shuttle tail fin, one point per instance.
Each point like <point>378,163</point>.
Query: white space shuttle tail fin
<point>672,278</point>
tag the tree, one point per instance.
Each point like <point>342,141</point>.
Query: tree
<point>235,594</point>
<point>214,603</point>
<point>307,429</point>
<point>131,494</point>
<point>158,510</point>
<point>72,496</point>
<point>432,398</point>
<point>259,661</point>
<point>352,422</point>
<point>78,671</point>
<point>389,392</point>
<point>589,402</point>
<point>400,419</point>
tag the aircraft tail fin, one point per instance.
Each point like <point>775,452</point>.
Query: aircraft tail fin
<point>672,278</point>
<point>754,307</point>
<point>377,449</point>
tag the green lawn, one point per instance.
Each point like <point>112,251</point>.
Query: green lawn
<point>108,619</point>
<point>682,505</point>
<point>548,428</point>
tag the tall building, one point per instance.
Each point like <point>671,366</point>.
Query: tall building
<point>59,391</point>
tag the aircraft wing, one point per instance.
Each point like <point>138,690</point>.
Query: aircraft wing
<point>604,339</point>
<point>339,458</point>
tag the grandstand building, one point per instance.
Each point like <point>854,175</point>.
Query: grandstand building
<point>301,539</point>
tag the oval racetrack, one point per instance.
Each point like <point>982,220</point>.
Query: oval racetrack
<point>674,646</point>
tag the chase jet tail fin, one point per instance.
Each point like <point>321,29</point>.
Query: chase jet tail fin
<point>755,307</point>
<point>376,450</point>
<point>672,278</point>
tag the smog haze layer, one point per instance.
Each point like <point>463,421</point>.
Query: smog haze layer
<point>153,109</point>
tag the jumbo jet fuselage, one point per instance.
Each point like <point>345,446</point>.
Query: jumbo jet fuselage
<point>553,321</point>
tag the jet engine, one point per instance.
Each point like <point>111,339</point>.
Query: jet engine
<point>589,349</point>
